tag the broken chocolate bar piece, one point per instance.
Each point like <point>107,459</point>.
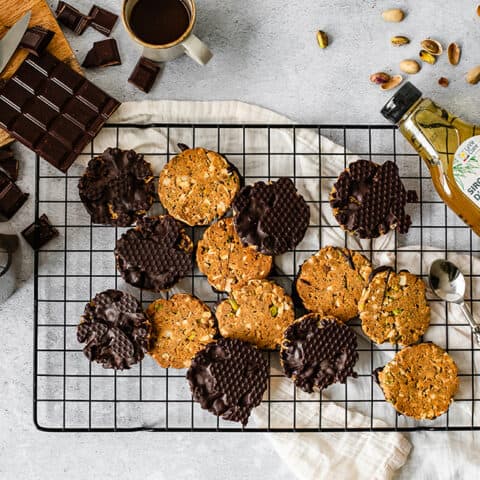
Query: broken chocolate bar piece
<point>11,197</point>
<point>102,20</point>
<point>71,18</point>
<point>53,110</point>
<point>144,74</point>
<point>8,163</point>
<point>103,54</point>
<point>36,40</point>
<point>39,233</point>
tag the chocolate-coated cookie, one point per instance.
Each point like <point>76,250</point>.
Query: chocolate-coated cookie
<point>182,326</point>
<point>117,187</point>
<point>369,200</point>
<point>318,351</point>
<point>257,312</point>
<point>225,261</point>
<point>155,254</point>
<point>271,216</point>
<point>393,308</point>
<point>114,329</point>
<point>332,281</point>
<point>228,378</point>
<point>197,186</point>
<point>420,381</point>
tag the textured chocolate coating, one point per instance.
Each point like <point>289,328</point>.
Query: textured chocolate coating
<point>369,199</point>
<point>228,378</point>
<point>318,351</point>
<point>114,329</point>
<point>155,254</point>
<point>40,233</point>
<point>273,217</point>
<point>103,54</point>
<point>117,187</point>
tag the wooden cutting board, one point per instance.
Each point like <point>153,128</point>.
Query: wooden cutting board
<point>13,10</point>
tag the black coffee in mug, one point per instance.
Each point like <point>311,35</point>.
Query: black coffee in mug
<point>159,22</point>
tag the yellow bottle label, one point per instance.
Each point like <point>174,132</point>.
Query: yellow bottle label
<point>466,168</point>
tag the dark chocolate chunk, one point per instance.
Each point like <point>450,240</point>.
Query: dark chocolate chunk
<point>53,110</point>
<point>114,329</point>
<point>103,54</point>
<point>11,197</point>
<point>155,254</point>
<point>144,74</point>
<point>40,233</point>
<point>228,378</point>
<point>8,163</point>
<point>36,40</point>
<point>117,188</point>
<point>71,18</point>
<point>273,217</point>
<point>102,20</point>
<point>369,199</point>
<point>318,351</point>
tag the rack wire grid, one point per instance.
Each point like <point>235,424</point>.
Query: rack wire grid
<point>72,394</point>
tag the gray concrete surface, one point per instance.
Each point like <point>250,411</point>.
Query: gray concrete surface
<point>265,53</point>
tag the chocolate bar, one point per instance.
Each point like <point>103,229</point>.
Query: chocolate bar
<point>39,233</point>
<point>11,197</point>
<point>103,54</point>
<point>53,110</point>
<point>102,20</point>
<point>144,74</point>
<point>36,40</point>
<point>71,18</point>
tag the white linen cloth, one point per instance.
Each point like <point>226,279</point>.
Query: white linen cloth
<point>309,455</point>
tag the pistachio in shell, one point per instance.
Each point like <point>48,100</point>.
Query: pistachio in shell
<point>399,40</point>
<point>427,57</point>
<point>454,52</point>
<point>432,46</point>
<point>393,15</point>
<point>473,75</point>
<point>394,82</point>
<point>379,78</point>
<point>410,67</point>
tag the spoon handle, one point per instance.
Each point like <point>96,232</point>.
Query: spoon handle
<point>475,326</point>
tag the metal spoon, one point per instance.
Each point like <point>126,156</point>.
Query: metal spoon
<point>448,283</point>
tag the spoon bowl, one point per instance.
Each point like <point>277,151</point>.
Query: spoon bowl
<point>447,281</point>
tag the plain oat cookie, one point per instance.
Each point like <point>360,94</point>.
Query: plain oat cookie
<point>420,381</point>
<point>182,326</point>
<point>225,261</point>
<point>258,313</point>
<point>331,282</point>
<point>394,308</point>
<point>197,186</point>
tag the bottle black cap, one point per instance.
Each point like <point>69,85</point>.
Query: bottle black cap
<point>399,104</point>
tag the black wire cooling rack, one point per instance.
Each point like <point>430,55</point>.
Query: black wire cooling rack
<point>71,394</point>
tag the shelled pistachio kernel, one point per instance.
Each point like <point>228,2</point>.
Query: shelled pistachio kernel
<point>432,46</point>
<point>443,82</point>
<point>454,52</point>
<point>322,39</point>
<point>379,78</point>
<point>393,15</point>
<point>427,57</point>
<point>399,40</point>
<point>410,67</point>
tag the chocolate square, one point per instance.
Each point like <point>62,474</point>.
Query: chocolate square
<point>11,197</point>
<point>71,18</point>
<point>144,74</point>
<point>36,40</point>
<point>40,233</point>
<point>103,54</point>
<point>8,162</point>
<point>102,20</point>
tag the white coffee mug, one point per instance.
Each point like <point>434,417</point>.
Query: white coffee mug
<point>187,43</point>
